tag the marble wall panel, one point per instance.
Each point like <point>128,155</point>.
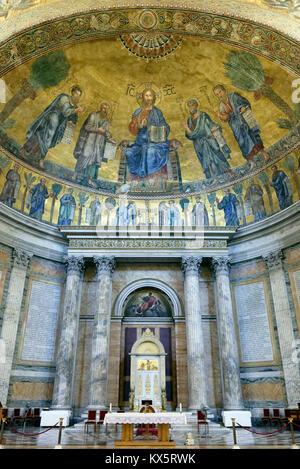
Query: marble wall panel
<point>31,391</point>
<point>89,295</point>
<point>83,364</point>
<point>4,255</point>
<point>248,269</point>
<point>3,273</point>
<point>114,364</point>
<point>262,392</point>
<point>292,256</point>
<point>207,297</point>
<point>212,364</point>
<point>48,268</point>
<point>168,273</point>
<point>181,365</point>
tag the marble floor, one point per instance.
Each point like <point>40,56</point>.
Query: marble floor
<point>218,437</point>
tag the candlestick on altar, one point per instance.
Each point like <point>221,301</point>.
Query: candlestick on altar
<point>110,407</point>
<point>180,408</point>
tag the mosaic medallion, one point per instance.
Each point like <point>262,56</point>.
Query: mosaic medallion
<point>151,45</point>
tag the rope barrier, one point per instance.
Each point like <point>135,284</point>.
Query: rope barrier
<point>31,434</point>
<point>265,434</point>
<point>296,425</point>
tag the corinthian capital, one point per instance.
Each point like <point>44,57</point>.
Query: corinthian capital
<point>221,265</point>
<point>273,260</point>
<point>21,259</point>
<point>105,265</point>
<point>75,265</point>
<point>191,264</point>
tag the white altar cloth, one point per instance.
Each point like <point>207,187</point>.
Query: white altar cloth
<point>172,418</point>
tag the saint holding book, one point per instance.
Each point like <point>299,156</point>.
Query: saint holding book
<point>150,151</point>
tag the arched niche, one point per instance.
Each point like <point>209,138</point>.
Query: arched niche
<point>148,283</point>
<point>147,376</point>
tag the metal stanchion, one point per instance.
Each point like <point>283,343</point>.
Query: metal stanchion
<point>59,445</point>
<point>235,445</point>
<point>294,445</point>
<point>2,441</point>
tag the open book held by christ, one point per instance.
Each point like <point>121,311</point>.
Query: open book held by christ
<point>158,133</point>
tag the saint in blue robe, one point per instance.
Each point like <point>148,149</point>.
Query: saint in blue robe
<point>206,146</point>
<point>66,211</point>
<point>49,128</point>
<point>228,204</point>
<point>248,139</point>
<point>145,157</point>
<point>39,194</point>
<point>284,194</point>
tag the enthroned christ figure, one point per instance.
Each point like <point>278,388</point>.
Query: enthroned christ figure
<point>149,153</point>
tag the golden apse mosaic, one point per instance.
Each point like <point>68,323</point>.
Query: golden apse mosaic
<point>150,126</point>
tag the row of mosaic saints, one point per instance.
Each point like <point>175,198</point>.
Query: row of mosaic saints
<point>148,154</point>
<point>235,205</point>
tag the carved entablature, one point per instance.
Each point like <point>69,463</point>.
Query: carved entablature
<point>142,243</point>
<point>273,260</point>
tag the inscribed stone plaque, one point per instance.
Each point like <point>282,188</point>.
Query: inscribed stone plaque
<point>40,333</point>
<point>254,329</point>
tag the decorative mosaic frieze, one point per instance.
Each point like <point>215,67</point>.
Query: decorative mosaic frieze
<point>40,39</point>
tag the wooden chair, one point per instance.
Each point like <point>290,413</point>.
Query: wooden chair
<point>17,417</point>
<point>147,428</point>
<point>286,416</point>
<point>276,418</point>
<point>101,418</point>
<point>28,417</point>
<point>266,418</point>
<point>5,414</point>
<point>36,417</point>
<point>201,420</point>
<point>91,420</point>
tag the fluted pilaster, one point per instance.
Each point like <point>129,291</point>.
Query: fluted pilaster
<point>287,342</point>
<point>20,263</point>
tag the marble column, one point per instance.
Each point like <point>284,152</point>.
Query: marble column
<point>101,334</point>
<point>21,260</point>
<point>287,342</point>
<point>66,352</point>
<point>229,355</point>
<point>194,334</point>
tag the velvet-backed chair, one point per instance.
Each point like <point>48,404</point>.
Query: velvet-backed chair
<point>266,418</point>
<point>201,420</point>
<point>91,420</point>
<point>101,418</point>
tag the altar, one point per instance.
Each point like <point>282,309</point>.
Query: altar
<point>129,419</point>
